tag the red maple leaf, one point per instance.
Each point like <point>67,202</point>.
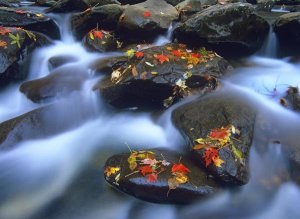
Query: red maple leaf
<point>98,34</point>
<point>161,58</point>
<point>196,55</point>
<point>139,54</point>
<point>152,177</point>
<point>147,14</point>
<point>180,168</point>
<point>4,30</point>
<point>177,53</point>
<point>146,170</point>
<point>219,133</point>
<point>209,155</point>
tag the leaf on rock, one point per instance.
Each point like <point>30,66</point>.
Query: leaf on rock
<point>130,53</point>
<point>177,53</point>
<point>237,153</point>
<point>3,43</point>
<point>147,14</point>
<point>134,72</point>
<point>98,34</point>
<point>15,39</point>
<point>4,30</point>
<point>152,177</point>
<point>217,161</point>
<point>20,12</point>
<point>146,170</point>
<point>109,171</point>
<point>180,168</point>
<point>162,58</point>
<point>139,54</point>
<point>209,154</point>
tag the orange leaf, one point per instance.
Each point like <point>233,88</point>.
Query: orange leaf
<point>98,34</point>
<point>152,177</point>
<point>139,54</point>
<point>209,154</point>
<point>201,146</point>
<point>3,43</point>
<point>147,14</point>
<point>180,168</point>
<point>4,30</point>
<point>146,170</point>
<point>196,55</point>
<point>177,53</point>
<point>161,58</point>
<point>217,161</point>
<point>219,133</point>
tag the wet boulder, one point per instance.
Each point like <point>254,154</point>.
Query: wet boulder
<point>159,175</point>
<point>16,46</point>
<point>146,20</point>
<point>232,30</point>
<point>104,17</point>
<point>219,132</point>
<point>287,28</point>
<point>157,77</point>
<point>63,6</point>
<point>29,20</point>
<point>59,83</point>
<point>60,60</point>
<point>100,41</point>
<point>188,8</point>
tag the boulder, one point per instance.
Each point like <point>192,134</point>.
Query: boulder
<point>59,83</point>
<point>146,20</point>
<point>159,76</point>
<point>29,20</point>
<point>16,45</point>
<point>287,28</point>
<point>232,30</point>
<point>60,60</point>
<point>100,41</point>
<point>187,8</point>
<point>291,99</point>
<point>105,17</point>
<point>159,175</point>
<point>64,6</point>
<point>219,133</point>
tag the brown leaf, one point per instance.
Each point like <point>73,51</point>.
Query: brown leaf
<point>134,72</point>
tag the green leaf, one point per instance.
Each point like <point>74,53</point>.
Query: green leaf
<point>15,39</point>
<point>237,153</point>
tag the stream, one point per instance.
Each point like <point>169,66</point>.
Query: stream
<point>61,176</point>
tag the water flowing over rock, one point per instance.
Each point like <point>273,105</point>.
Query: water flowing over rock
<point>63,6</point>
<point>104,17</point>
<point>174,179</point>
<point>232,30</point>
<point>287,28</point>
<point>158,76</point>
<point>59,83</point>
<point>16,45</point>
<point>146,20</point>
<point>29,20</point>
<point>205,118</point>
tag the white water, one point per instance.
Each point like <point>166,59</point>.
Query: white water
<point>61,176</point>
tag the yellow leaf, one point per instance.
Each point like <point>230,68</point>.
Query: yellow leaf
<point>181,178</point>
<point>130,53</point>
<point>111,171</point>
<point>154,73</point>
<point>39,15</point>
<point>217,161</point>
<point>92,36</point>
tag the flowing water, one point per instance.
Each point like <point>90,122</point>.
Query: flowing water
<point>61,177</point>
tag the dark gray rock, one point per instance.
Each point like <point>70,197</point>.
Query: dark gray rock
<point>64,6</point>
<point>146,20</point>
<point>287,28</point>
<point>232,30</point>
<point>29,20</point>
<point>147,82</point>
<point>57,61</point>
<point>105,17</point>
<point>134,183</point>
<point>197,119</point>
<point>59,83</point>
<point>15,51</point>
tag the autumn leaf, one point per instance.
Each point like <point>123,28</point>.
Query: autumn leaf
<point>201,146</point>
<point>15,39</point>
<point>130,53</point>
<point>152,177</point>
<point>237,153</point>
<point>212,155</point>
<point>39,15</point>
<point>149,161</point>
<point>219,133</point>
<point>177,53</point>
<point>161,58</point>
<point>111,171</point>
<point>180,168</point>
<point>98,34</point>
<point>181,178</point>
<point>132,161</point>
<point>147,14</point>
<point>20,12</point>
<point>146,170</point>
<point>91,36</point>
<point>217,161</point>
<point>134,72</point>
<point>4,30</point>
<point>3,43</point>
<point>139,54</point>
<point>193,60</point>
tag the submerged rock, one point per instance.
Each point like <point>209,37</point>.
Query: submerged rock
<point>159,175</point>
<point>100,41</point>
<point>104,17</point>
<point>219,132</point>
<point>59,83</point>
<point>29,20</point>
<point>232,30</point>
<point>158,76</point>
<point>287,28</point>
<point>57,61</point>
<point>16,45</point>
<point>146,20</point>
